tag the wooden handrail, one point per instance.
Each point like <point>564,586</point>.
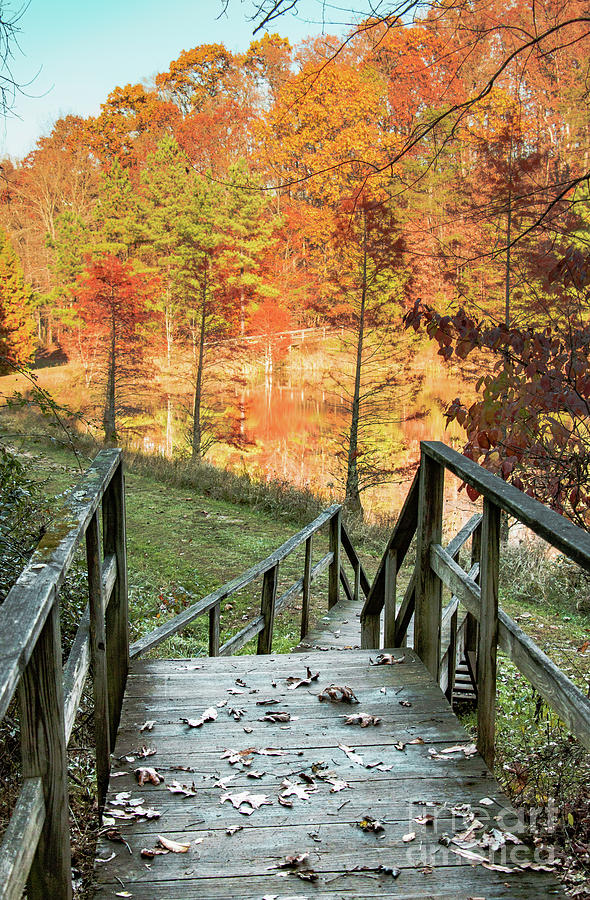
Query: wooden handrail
<point>36,847</point>
<point>270,603</point>
<point>486,625</point>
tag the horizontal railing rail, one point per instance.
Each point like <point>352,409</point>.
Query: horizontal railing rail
<point>35,850</point>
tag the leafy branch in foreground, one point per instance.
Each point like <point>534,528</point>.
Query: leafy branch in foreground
<point>531,425</point>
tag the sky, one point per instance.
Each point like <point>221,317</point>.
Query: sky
<point>72,53</point>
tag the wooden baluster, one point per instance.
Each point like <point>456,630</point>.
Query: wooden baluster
<point>357,580</point>
<point>452,658</point>
<point>427,617</point>
<point>117,614</point>
<point>306,587</point>
<point>334,572</point>
<point>43,744</point>
<point>488,631</point>
<point>390,599</point>
<point>214,620</point>
<point>99,660</point>
<point>267,609</point>
<point>471,622</point>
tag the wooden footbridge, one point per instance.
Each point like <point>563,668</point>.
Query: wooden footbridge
<point>337,771</point>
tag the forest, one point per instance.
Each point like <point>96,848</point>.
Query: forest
<point>428,174</point>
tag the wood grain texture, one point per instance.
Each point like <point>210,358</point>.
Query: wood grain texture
<point>245,864</point>
<point>20,839</point>
<point>428,596</point>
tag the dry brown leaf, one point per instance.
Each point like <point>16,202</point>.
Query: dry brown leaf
<point>387,659</point>
<point>294,682</point>
<point>276,717</point>
<point>426,819</point>
<point>337,784</point>
<point>362,719</point>
<point>354,757</point>
<point>150,852</point>
<point>147,726</point>
<point>234,829</point>
<point>336,693</point>
<point>270,701</point>
<point>146,774</point>
<point>407,838</point>
<point>368,823</point>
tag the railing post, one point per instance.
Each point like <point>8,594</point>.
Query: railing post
<point>43,744</point>
<point>306,587</point>
<point>427,617</point>
<point>117,614</point>
<point>390,597</point>
<point>334,572</point>
<point>99,661</point>
<point>488,630</point>
<point>267,609</point>
<point>214,621</point>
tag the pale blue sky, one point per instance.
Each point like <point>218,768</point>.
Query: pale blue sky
<point>74,52</point>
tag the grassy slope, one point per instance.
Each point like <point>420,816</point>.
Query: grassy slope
<point>182,545</point>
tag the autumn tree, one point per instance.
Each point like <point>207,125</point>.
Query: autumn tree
<point>112,303</point>
<point>17,325</point>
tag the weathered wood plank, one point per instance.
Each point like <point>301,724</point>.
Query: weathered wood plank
<point>214,618</point>
<point>555,687</point>
<point>267,608</point>
<point>487,643</point>
<point>306,587</point>
<point>43,753</point>
<point>168,629</point>
<point>334,570</point>
<point>545,522</point>
<point>20,839</point>
<point>428,596</point>
<point>117,612</point>
<point>98,656</point>
<point>28,603</point>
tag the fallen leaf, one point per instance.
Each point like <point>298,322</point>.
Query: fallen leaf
<point>301,791</point>
<point>337,784</point>
<point>234,829</point>
<point>284,802</point>
<point>379,870</point>
<point>417,740</point>
<point>426,819</point>
<point>176,788</point>
<point>405,703</point>
<point>150,852</point>
<point>486,801</point>
<point>336,693</point>
<point>276,717</point>
<point>173,846</point>
<point>399,745</point>
<point>351,754</point>
<point>123,894</point>
<point>245,799</point>
<point>387,659</point>
<point>368,823</point>
<point>146,751</point>
<point>292,862</point>
<point>146,774</point>
<point>362,719</point>
<point>236,713</point>
<point>295,682</point>
<point>209,715</point>
<point>270,701</point>
<point>407,838</point>
<point>147,726</point>
<point>309,875</point>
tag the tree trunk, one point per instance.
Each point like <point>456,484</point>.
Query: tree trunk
<point>352,496</point>
<point>197,439</point>
<point>108,419</point>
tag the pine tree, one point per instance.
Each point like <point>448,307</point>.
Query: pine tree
<point>17,324</point>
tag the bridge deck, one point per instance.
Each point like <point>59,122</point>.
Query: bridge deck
<point>388,773</point>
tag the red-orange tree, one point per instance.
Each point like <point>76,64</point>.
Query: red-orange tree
<point>111,301</point>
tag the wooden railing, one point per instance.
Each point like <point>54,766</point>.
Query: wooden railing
<point>35,850</point>
<point>484,626</point>
<point>262,625</point>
